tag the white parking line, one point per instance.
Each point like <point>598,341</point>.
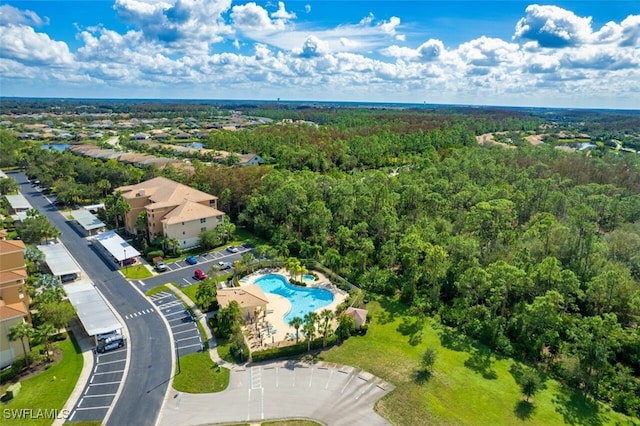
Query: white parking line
<point>99,396</point>
<point>188,346</point>
<point>170,304</point>
<point>141,283</point>
<point>112,362</point>
<point>185,331</point>
<point>175,313</point>
<point>105,383</point>
<point>109,372</point>
<point>188,338</point>
<point>92,408</point>
<point>188,324</point>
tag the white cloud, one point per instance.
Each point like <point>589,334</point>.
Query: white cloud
<point>307,8</point>
<point>180,23</point>
<point>23,44</point>
<point>281,13</point>
<point>312,47</point>
<point>430,50</point>
<point>11,15</point>
<point>552,26</point>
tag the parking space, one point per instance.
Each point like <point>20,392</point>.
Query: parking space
<point>184,327</point>
<point>102,386</point>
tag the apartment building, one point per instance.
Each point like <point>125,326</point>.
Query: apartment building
<point>173,210</point>
<point>14,300</point>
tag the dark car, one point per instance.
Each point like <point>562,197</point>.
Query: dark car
<point>191,260</point>
<point>199,274</point>
<point>109,343</point>
<point>68,278</point>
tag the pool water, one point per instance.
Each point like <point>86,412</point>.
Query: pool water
<point>303,300</point>
<point>308,278</point>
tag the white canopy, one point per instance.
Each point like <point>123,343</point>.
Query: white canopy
<point>93,311</point>
<point>59,260</point>
<point>114,244</point>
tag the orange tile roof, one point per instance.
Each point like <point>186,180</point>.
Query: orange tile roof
<point>190,211</point>
<point>10,276</point>
<point>10,246</point>
<point>12,311</point>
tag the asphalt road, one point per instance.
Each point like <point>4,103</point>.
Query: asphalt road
<point>149,372</point>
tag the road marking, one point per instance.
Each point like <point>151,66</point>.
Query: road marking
<point>256,378</point>
<point>169,304</point>
<point>109,372</point>
<point>92,408</point>
<point>276,377</point>
<point>141,283</point>
<point>112,362</point>
<point>262,406</point>
<point>329,379</point>
<point>100,396</point>
<point>365,390</point>
<point>185,331</point>
<point>249,405</point>
<point>347,384</point>
<point>311,377</point>
<point>188,346</point>
<point>176,313</point>
<point>187,338</point>
<point>105,383</point>
<point>186,281</point>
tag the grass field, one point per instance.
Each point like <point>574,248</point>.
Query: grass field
<point>199,374</point>
<point>469,385</point>
<point>136,272</point>
<point>50,389</point>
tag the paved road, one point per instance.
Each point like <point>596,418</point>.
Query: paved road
<point>150,366</point>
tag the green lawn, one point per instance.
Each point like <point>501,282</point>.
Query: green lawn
<point>198,374</point>
<point>136,272</point>
<point>50,389</point>
<point>468,385</point>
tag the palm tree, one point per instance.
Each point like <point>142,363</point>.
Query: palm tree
<point>20,331</point>
<point>296,322</point>
<point>309,328</point>
<point>326,315</point>
<point>46,331</point>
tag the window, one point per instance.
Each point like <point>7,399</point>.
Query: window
<point>203,220</point>
<point>183,233</point>
<point>204,228</point>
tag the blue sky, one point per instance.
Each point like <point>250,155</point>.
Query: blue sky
<point>523,53</point>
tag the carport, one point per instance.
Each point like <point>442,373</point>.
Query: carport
<point>119,249</point>
<point>88,221</point>
<point>59,260</point>
<point>93,311</point>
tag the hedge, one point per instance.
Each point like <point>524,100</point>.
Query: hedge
<point>293,350</point>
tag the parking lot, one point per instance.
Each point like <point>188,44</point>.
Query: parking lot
<point>332,394</point>
<point>186,335</point>
<point>102,386</point>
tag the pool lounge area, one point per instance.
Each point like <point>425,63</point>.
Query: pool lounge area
<point>286,301</point>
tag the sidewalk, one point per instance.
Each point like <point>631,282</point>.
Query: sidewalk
<point>202,319</point>
<point>86,346</point>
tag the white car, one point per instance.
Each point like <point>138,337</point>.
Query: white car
<point>232,249</point>
<point>224,265</point>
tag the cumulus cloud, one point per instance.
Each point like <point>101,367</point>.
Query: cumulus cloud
<point>552,26</point>
<point>312,47</point>
<point>281,13</point>
<point>182,22</point>
<point>11,15</point>
<point>428,51</point>
<point>22,43</point>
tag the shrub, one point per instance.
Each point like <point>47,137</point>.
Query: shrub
<point>154,253</point>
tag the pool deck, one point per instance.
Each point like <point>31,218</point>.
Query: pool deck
<point>278,307</point>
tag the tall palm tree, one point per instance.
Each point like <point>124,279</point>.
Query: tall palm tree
<point>46,331</point>
<point>326,315</point>
<point>20,331</point>
<point>310,320</point>
<point>296,322</point>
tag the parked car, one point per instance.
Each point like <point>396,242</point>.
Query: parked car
<point>161,267</point>
<point>199,274</point>
<point>68,278</point>
<point>224,265</point>
<point>232,249</point>
<point>109,343</point>
<point>191,260</point>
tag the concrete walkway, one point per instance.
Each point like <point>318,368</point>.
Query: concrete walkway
<point>86,347</point>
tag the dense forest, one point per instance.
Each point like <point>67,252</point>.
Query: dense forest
<point>533,251</point>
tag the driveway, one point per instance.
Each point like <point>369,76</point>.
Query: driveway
<point>329,393</point>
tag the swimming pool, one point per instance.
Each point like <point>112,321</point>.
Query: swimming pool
<point>308,278</point>
<point>303,300</point>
